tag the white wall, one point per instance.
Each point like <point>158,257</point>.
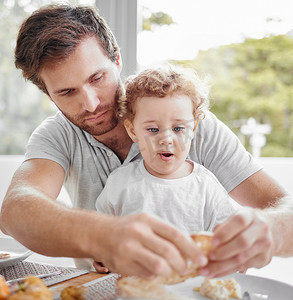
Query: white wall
<point>8,165</point>
<point>281,168</point>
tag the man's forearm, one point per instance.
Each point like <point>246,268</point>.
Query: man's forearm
<point>132,245</point>
<point>258,191</point>
<point>45,226</point>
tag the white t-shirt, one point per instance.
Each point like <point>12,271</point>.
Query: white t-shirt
<point>197,202</point>
<point>87,163</point>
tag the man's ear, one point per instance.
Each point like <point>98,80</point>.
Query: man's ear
<point>119,61</point>
<point>130,130</point>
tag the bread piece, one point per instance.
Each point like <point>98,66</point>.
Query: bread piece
<point>32,288</point>
<point>73,293</point>
<point>4,289</point>
<point>220,289</point>
<point>203,241</point>
<point>4,255</point>
<point>137,287</point>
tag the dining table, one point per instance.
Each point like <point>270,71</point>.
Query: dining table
<point>98,286</point>
<point>102,286</point>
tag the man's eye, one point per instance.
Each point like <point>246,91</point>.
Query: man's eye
<point>178,129</point>
<point>97,78</point>
<point>153,129</point>
<point>68,92</point>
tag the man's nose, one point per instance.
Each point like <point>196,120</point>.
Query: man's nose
<point>90,99</point>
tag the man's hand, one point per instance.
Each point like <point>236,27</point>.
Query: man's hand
<point>243,241</point>
<point>144,246</point>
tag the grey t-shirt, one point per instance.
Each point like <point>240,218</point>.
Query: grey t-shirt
<point>88,163</point>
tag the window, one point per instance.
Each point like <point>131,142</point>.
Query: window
<point>245,46</point>
<point>22,106</point>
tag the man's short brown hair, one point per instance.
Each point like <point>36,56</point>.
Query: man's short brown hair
<point>53,32</point>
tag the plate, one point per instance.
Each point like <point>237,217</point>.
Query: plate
<point>254,285</point>
<point>16,250</point>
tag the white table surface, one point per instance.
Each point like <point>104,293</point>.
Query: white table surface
<point>279,268</point>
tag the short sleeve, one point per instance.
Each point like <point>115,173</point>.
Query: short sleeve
<point>50,141</point>
<point>218,149</point>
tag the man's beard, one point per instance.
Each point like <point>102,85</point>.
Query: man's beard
<point>103,126</point>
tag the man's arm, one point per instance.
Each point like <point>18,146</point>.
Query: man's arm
<point>259,191</point>
<point>136,245</point>
<point>253,236</point>
<point>29,199</point>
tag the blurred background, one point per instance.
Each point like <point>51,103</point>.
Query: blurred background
<point>245,47</point>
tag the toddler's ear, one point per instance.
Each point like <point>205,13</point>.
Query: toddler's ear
<point>195,124</point>
<point>130,130</point>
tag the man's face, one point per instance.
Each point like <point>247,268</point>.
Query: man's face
<point>85,87</point>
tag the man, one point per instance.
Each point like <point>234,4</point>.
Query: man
<point>71,55</point>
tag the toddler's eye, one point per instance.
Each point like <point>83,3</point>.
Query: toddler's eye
<point>153,129</point>
<point>178,129</point>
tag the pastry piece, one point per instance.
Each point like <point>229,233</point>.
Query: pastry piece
<point>73,293</point>
<point>4,289</point>
<point>137,287</point>
<point>203,241</point>
<point>4,255</point>
<point>220,289</point>
<point>31,288</point>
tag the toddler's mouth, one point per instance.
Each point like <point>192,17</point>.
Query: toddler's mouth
<point>167,154</point>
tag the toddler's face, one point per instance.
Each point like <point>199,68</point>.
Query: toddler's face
<point>164,128</point>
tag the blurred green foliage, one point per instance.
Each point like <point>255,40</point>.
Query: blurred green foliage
<point>156,19</point>
<point>253,79</point>
<point>22,106</point>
